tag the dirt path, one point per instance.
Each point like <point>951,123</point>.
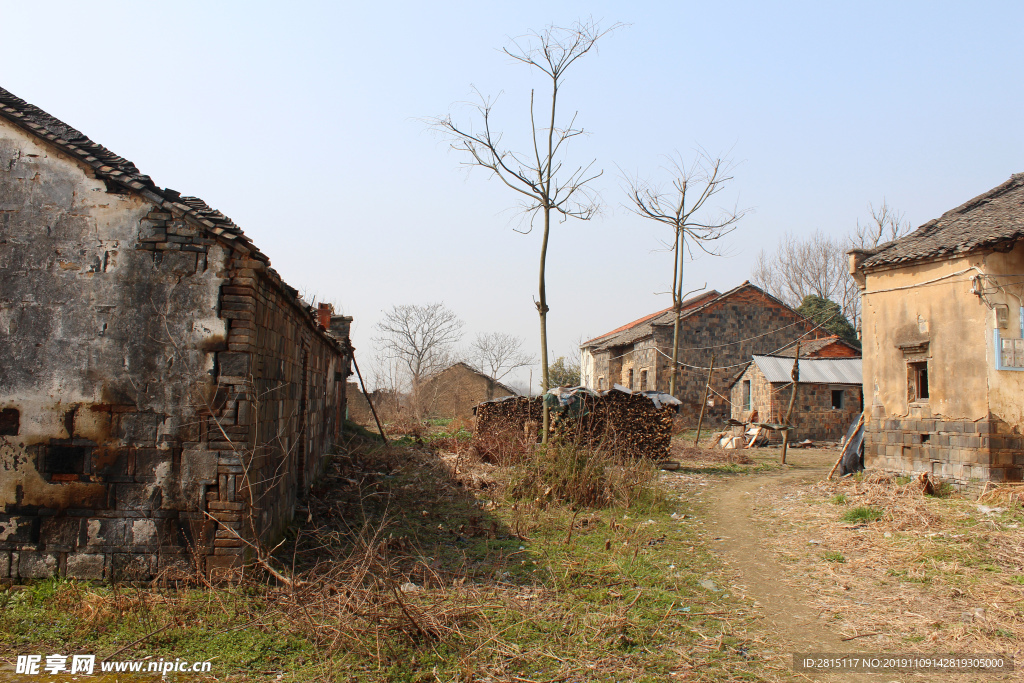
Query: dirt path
<point>739,540</point>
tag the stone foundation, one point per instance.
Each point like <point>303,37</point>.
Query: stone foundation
<point>965,453</point>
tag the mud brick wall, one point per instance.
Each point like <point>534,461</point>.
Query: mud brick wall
<point>126,396</point>
<point>455,392</point>
<point>965,453</point>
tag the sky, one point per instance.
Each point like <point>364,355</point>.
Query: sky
<point>305,122</point>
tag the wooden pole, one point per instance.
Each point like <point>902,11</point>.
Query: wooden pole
<point>704,404</point>
<point>372,409</point>
<point>795,375</point>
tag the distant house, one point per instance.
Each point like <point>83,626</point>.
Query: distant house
<point>731,327</point>
<point>454,391</point>
<point>828,398</point>
<point>943,333</point>
<point>829,347</point>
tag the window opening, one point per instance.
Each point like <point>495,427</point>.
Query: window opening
<point>837,399</point>
<point>917,381</point>
<point>10,422</point>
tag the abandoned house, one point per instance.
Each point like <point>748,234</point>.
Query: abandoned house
<point>828,396</point>
<point>456,390</point>
<point>943,335</point>
<point>731,327</point>
<point>164,396</point>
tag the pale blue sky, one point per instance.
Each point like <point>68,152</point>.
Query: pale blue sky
<point>302,122</point>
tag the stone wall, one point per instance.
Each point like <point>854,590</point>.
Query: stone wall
<point>813,415</point>
<point>965,453</point>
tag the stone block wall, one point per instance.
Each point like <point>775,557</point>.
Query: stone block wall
<point>965,453</point>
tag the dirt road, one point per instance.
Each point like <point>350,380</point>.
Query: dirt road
<point>740,541</point>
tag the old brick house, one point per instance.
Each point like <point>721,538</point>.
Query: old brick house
<point>732,326</point>
<point>828,398</point>
<point>456,390</point>
<point>161,387</point>
<point>943,333</point>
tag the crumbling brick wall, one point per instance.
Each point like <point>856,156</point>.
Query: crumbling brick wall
<point>126,397</point>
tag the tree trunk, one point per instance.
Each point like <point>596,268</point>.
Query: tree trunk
<point>677,305</point>
<point>542,308</point>
<point>795,375</point>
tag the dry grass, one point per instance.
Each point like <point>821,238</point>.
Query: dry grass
<point>929,574</point>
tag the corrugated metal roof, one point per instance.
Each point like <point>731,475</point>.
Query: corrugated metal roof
<point>812,370</point>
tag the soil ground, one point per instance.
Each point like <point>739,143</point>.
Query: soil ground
<point>770,527</point>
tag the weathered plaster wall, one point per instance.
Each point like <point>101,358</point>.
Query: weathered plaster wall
<point>161,388</point>
<point>968,431</point>
<point>94,337</point>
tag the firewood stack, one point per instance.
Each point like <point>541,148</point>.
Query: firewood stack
<point>634,426</point>
<point>628,424</point>
<point>508,416</point>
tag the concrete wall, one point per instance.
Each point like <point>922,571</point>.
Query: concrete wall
<point>968,430</point>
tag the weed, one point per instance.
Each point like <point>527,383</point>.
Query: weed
<point>1018,579</point>
<point>862,514</point>
<point>839,499</point>
<point>833,556</point>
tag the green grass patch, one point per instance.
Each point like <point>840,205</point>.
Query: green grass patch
<point>839,499</point>
<point>833,556</point>
<point>410,571</point>
<point>862,514</point>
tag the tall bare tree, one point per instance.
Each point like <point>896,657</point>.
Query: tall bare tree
<point>419,339</point>
<point>546,187</point>
<point>499,353</point>
<point>817,265</point>
<point>683,206</point>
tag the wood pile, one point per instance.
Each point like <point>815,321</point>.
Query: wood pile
<point>628,424</point>
<point>507,416</point>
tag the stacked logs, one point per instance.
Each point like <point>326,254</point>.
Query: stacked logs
<point>627,424</point>
<point>507,415</point>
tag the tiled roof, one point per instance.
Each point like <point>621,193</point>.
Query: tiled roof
<point>637,330</point>
<point>115,169</point>
<point>809,347</point>
<point>642,327</point>
<point>992,219</point>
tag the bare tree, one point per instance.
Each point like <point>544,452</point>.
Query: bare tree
<point>818,265</point>
<point>683,207</point>
<point>886,224</point>
<point>419,339</point>
<point>802,266</point>
<point>546,189</point>
<point>498,354</point>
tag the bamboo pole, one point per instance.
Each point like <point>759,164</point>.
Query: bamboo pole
<point>372,409</point>
<point>704,403</point>
<point>795,375</point>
